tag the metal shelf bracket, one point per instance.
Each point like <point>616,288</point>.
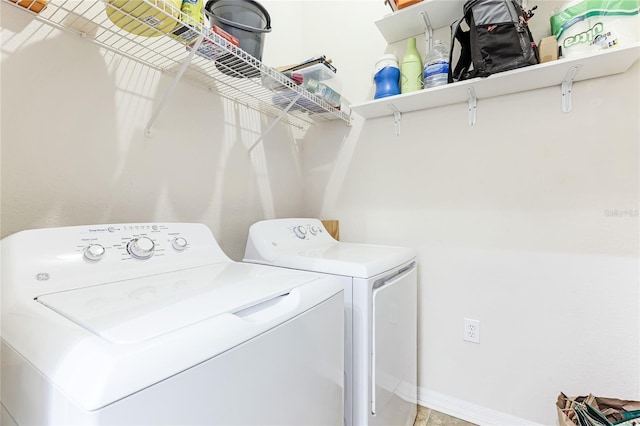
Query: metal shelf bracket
<point>567,85</point>
<point>428,30</point>
<point>472,105</point>
<point>397,118</point>
<point>276,121</point>
<point>174,83</point>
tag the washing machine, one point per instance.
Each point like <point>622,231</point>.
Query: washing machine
<point>151,324</point>
<point>380,295</point>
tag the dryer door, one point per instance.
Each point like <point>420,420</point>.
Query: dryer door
<point>394,346</point>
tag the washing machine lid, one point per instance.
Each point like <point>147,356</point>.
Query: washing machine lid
<point>348,259</point>
<point>102,343</point>
<point>133,311</point>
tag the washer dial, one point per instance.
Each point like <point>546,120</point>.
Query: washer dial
<point>141,247</point>
<point>179,243</point>
<point>94,252</point>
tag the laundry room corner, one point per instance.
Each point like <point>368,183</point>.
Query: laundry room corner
<point>513,214</point>
<point>526,221</point>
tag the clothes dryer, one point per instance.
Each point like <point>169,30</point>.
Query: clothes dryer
<point>151,324</point>
<point>380,290</point>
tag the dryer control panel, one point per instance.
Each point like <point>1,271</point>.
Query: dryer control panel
<point>269,238</point>
<point>307,231</point>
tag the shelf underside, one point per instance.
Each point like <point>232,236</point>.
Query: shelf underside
<point>234,75</point>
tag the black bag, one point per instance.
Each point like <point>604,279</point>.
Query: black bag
<point>498,39</point>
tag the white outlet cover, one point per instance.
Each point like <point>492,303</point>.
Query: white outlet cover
<point>471,332</point>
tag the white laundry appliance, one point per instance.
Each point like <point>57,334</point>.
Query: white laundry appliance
<point>380,290</point>
<point>151,324</point>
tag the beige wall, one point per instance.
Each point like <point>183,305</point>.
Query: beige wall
<point>510,217</point>
<point>514,223</point>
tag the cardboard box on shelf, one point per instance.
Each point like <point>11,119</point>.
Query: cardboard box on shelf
<point>548,49</point>
<point>405,3</point>
<point>36,6</point>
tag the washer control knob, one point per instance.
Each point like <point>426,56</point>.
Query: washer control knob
<point>94,252</point>
<point>179,243</point>
<point>141,247</point>
<point>314,230</point>
<point>300,232</point>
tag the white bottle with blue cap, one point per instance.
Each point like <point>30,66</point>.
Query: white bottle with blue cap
<point>387,76</point>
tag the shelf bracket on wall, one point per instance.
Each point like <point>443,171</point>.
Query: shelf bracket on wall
<point>276,121</point>
<point>174,83</point>
<point>472,105</point>
<point>567,85</point>
<point>397,118</point>
<point>428,30</point>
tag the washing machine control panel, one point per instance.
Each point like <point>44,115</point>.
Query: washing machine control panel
<point>137,241</point>
<point>56,259</point>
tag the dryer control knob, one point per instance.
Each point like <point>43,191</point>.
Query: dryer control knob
<point>314,230</point>
<point>179,243</point>
<point>94,252</point>
<point>300,232</point>
<point>141,248</point>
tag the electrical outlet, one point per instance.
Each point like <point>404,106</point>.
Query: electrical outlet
<point>471,330</point>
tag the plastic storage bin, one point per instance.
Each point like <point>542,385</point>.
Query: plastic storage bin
<point>314,74</point>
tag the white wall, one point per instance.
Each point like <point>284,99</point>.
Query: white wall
<point>510,217</point>
<point>515,224</point>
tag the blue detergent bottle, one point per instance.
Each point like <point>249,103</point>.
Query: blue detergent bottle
<point>387,76</point>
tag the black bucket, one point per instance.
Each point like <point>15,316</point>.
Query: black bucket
<point>248,21</point>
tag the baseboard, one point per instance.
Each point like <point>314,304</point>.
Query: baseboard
<point>467,411</point>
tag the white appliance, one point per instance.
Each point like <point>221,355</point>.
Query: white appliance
<point>153,324</point>
<point>380,290</point>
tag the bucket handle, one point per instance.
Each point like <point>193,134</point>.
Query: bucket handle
<point>241,26</point>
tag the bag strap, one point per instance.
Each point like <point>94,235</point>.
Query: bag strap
<point>464,61</point>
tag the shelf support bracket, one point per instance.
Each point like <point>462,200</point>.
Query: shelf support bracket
<point>174,83</point>
<point>397,118</point>
<point>472,105</point>
<point>428,29</point>
<point>276,121</point>
<point>567,85</point>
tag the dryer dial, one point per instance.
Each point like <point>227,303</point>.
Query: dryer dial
<point>300,232</point>
<point>141,247</point>
<point>94,252</point>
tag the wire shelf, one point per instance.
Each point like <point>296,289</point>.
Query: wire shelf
<point>217,64</point>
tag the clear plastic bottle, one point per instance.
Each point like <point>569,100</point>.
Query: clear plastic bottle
<point>324,92</point>
<point>436,65</point>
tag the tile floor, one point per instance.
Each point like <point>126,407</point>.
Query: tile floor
<point>428,417</point>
